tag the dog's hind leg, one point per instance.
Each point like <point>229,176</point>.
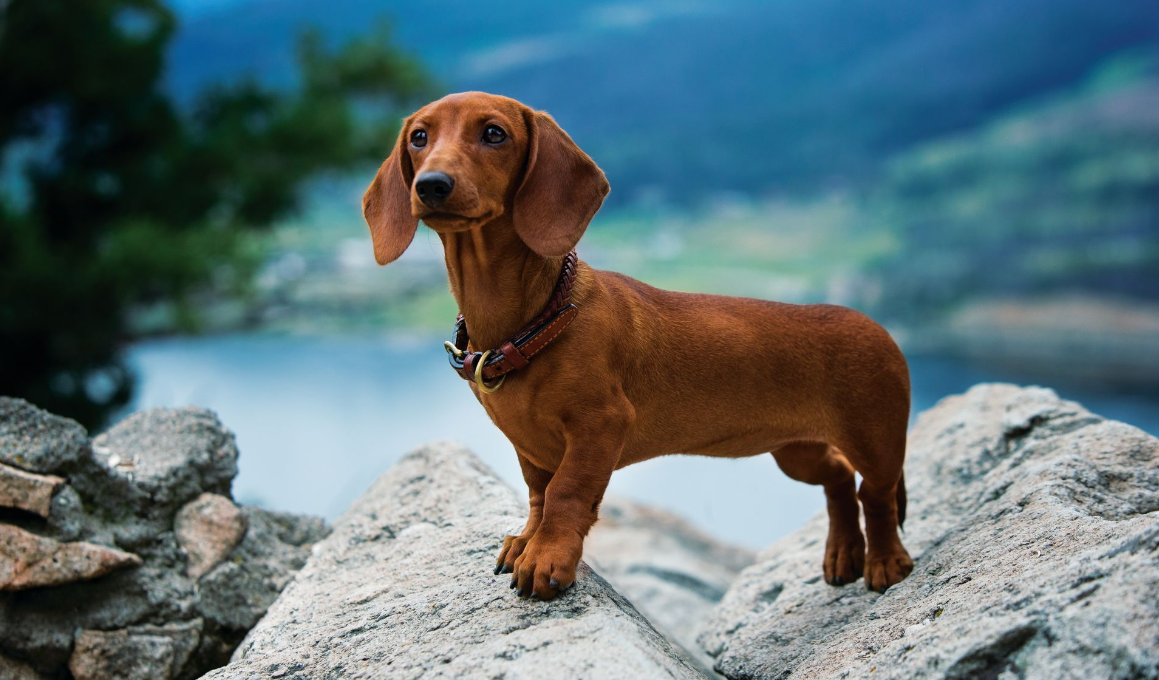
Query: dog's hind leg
<point>879,461</point>
<point>818,463</point>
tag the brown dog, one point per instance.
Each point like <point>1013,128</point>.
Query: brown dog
<point>640,372</point>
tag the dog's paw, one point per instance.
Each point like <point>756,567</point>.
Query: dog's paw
<point>513,547</point>
<point>885,570</point>
<point>844,558</point>
<point>545,568</point>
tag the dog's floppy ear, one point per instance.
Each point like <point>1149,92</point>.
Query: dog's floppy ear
<point>561,191</point>
<point>386,204</point>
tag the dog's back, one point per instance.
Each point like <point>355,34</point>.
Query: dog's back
<point>748,375</point>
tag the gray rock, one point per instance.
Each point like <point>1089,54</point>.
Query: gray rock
<point>38,441</point>
<point>208,528</point>
<point>167,457</point>
<point>670,570</point>
<point>145,468</point>
<point>1035,526</point>
<point>26,490</point>
<point>404,588</point>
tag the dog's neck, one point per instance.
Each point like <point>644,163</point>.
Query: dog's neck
<point>499,283</point>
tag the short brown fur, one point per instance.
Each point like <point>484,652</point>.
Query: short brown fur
<point>641,372</point>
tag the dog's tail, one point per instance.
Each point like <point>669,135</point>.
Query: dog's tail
<point>901,501</point>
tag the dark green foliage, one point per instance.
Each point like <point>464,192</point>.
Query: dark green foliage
<point>112,197</point>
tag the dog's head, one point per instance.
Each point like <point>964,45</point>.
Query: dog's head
<point>468,158</point>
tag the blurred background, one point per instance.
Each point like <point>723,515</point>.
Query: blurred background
<point>180,220</point>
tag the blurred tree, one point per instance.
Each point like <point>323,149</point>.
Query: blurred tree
<point>112,196</point>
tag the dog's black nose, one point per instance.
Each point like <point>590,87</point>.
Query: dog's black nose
<point>434,187</point>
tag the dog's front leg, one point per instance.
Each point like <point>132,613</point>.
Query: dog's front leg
<point>547,564</point>
<point>513,546</point>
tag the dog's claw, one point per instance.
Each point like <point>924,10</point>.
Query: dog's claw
<point>513,583</point>
<point>498,568</point>
<point>507,569</point>
<point>553,583</point>
<point>535,596</point>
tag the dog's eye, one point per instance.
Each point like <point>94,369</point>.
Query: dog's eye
<point>493,134</point>
<point>418,138</point>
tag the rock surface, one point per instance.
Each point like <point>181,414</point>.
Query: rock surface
<point>171,454</point>
<point>208,528</point>
<point>1035,528</point>
<point>403,588</point>
<point>671,571</point>
<point>113,512</point>
<point>137,653</point>
<point>38,441</point>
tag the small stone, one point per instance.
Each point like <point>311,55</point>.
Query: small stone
<point>167,457</point>
<point>31,561</point>
<point>26,490</point>
<point>137,653</point>
<point>38,441</point>
<point>208,529</point>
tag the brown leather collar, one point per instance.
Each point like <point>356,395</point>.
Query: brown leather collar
<point>528,341</point>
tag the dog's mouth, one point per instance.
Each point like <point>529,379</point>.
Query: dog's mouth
<point>450,221</point>
<point>439,216</point>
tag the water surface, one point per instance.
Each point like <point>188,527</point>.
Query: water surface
<point>318,419</point>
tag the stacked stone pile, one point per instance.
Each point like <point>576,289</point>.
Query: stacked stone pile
<point>125,556</point>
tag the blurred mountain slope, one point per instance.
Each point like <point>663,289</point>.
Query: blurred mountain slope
<point>678,100</point>
<point>1052,197</point>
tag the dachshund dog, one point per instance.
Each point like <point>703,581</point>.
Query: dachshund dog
<point>624,372</point>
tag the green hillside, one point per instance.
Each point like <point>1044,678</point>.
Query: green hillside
<point>1059,196</point>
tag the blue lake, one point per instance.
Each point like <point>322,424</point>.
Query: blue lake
<point>318,419</point>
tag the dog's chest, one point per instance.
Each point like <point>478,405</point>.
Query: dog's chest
<point>538,439</point>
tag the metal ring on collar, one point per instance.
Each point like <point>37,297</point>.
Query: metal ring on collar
<point>480,382</point>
